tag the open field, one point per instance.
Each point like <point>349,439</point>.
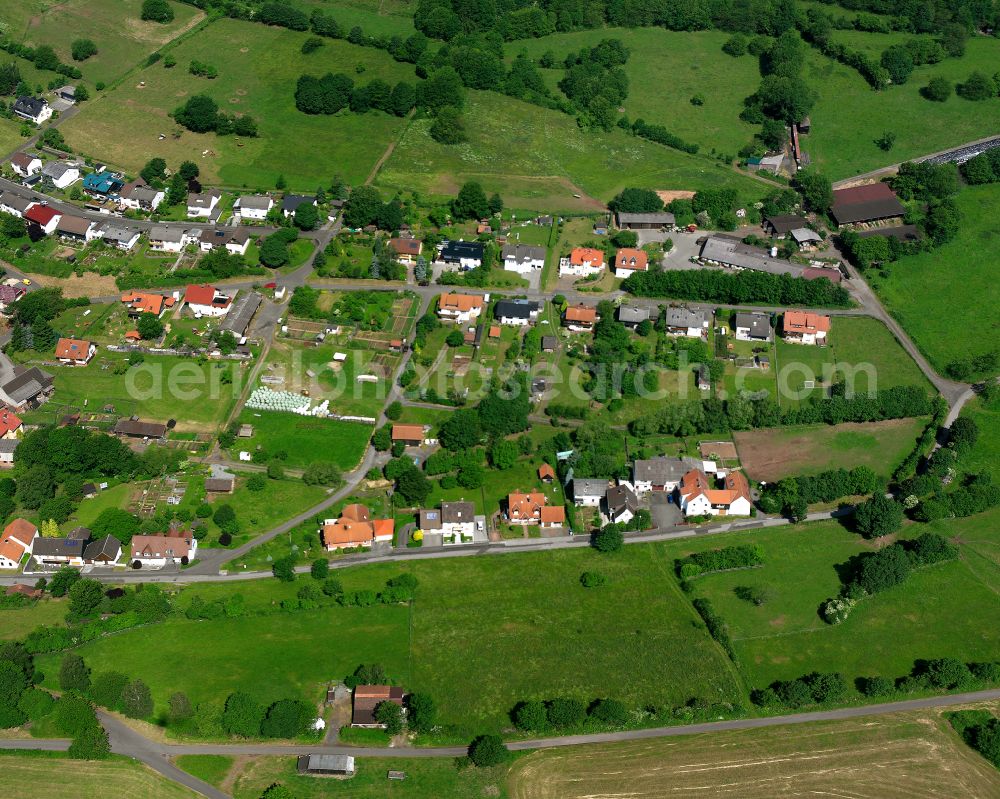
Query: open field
<point>940,611</point>
<point>790,451</point>
<point>860,340</point>
<point>258,67</point>
<point>53,775</point>
<point>900,756</point>
<point>932,305</point>
<point>665,70</point>
<point>305,439</point>
<point>213,769</point>
<point>123,40</point>
<point>985,456</point>
<point>161,388</point>
<point>844,144</point>
<point>18,622</point>
<point>538,159</point>
<point>523,619</point>
<point>426,778</point>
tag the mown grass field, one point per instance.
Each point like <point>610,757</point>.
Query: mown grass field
<point>163,387</point>
<point>940,611</point>
<point>842,144</point>
<point>899,756</point>
<point>258,67</point>
<point>305,439</point>
<point>213,769</point>
<point>772,454</point>
<point>52,775</point>
<point>482,634</point>
<point>426,778</point>
<point>665,70</point>
<point>538,159</point>
<point>18,622</point>
<point>123,40</point>
<point>983,457</point>
<point>945,298</point>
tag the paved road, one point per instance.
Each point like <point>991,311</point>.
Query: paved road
<point>130,743</point>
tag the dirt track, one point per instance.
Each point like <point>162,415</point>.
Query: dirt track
<point>902,756</point>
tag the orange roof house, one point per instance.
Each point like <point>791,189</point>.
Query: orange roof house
<point>410,434</point>
<point>586,256</point>
<point>142,302</point>
<point>406,248</point>
<point>805,327</point>
<point>459,306</point>
<point>630,260</point>
<point>356,528</point>
<point>75,350</point>
<point>546,472</point>
<point>21,530</point>
<point>9,424</point>
<point>580,316</point>
<point>18,538</point>
<point>532,508</point>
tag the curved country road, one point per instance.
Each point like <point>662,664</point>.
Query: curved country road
<point>129,742</point>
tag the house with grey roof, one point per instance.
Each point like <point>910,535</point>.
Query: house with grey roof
<point>237,321</point>
<point>691,322</point>
<point>22,387</point>
<point>7,448</point>
<point>139,196</point>
<point>32,108</point>
<point>202,204</point>
<point>75,227</point>
<point>14,204</point>
<point>516,312</point>
<point>522,258</point>
<point>454,520</point>
<point>734,254</point>
<point>105,551</point>
<point>120,236</point>
<point>632,316</point>
<point>621,504</point>
<point>58,551</point>
<point>753,326</point>
<point>660,474</point>
<point>253,206</point>
<point>62,174</point>
<point>659,220</point>
<point>170,238</point>
<point>588,492</point>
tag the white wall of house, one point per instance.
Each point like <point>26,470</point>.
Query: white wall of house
<point>511,264</point>
<point>209,310</point>
<point>587,500</point>
<point>166,246</point>
<point>238,249</point>
<point>697,505</point>
<point>255,213</point>
<point>194,211</point>
<point>578,270</point>
<point>514,320</point>
<point>67,179</point>
<point>35,165</point>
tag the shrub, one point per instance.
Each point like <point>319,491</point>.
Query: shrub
<point>487,750</point>
<point>608,539</point>
<point>565,712</point>
<point>834,611</point>
<point>157,11</point>
<point>610,712</point>
<point>137,701</point>
<point>877,686</point>
<point>531,716</point>
<point>593,579</point>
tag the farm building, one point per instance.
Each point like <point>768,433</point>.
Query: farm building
<point>875,202</point>
<point>644,221</point>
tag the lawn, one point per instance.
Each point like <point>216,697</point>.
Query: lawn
<point>18,622</point>
<point>865,347</point>
<point>936,307</point>
<point>985,456</point>
<point>293,361</point>
<point>790,451</point>
<point>213,769</point>
<point>665,70</point>
<point>484,633</point>
<point>305,439</point>
<point>426,778</point>
<point>123,40</point>
<point>258,66</point>
<point>842,144</point>
<point>539,159</point>
<point>940,611</point>
<point>10,135</point>
<point>899,756</point>
<point>163,387</point>
<point>53,775</point>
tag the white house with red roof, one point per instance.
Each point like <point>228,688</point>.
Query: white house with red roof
<point>75,351</point>
<point>10,425</point>
<point>804,327</point>
<point>46,218</point>
<point>698,496</point>
<point>18,539</point>
<point>582,262</point>
<point>629,260</point>
<point>205,300</point>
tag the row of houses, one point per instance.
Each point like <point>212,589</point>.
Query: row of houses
<point>588,262</point>
<point>79,549</point>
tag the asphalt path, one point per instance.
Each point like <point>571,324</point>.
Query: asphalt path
<point>130,743</point>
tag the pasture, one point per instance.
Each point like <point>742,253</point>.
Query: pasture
<point>53,775</point>
<point>842,145</point>
<point>305,439</point>
<point>524,619</point>
<point>426,778</point>
<point>898,756</point>
<point>665,70</point>
<point>939,611</point>
<point>258,67</point>
<point>775,453</point>
<point>934,294</point>
<point>539,159</point>
<point>123,40</point>
<point>163,387</point>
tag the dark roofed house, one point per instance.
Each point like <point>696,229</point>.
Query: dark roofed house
<point>341,765</point>
<point>237,321</point>
<point>105,551</point>
<point>21,387</point>
<point>133,428</point>
<point>907,233</point>
<point>782,224</point>
<point>57,551</point>
<point>79,533</point>
<point>874,202</point>
<point>466,254</point>
<point>752,327</point>
<point>25,590</point>
<point>631,316</point>
<point>515,312</point>
<point>622,504</point>
<point>290,203</point>
<point>368,697</point>
<point>550,343</point>
<point>644,221</point>
<point>33,108</point>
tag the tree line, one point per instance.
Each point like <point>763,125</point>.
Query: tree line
<point>740,288</point>
<point>333,92</point>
